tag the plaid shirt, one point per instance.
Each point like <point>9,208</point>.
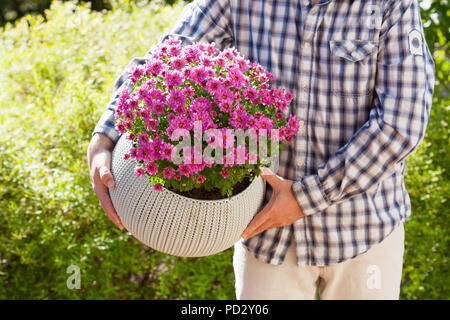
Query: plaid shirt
<point>362,78</point>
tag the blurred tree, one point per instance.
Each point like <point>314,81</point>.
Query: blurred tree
<point>436,21</point>
<point>11,10</point>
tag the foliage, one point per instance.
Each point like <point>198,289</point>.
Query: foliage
<point>55,80</point>
<point>426,274</point>
<point>11,10</point>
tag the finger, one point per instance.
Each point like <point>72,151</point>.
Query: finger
<point>270,177</point>
<point>268,224</point>
<point>259,219</point>
<point>107,206</point>
<point>106,177</point>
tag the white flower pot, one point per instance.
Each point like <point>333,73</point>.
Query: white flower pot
<point>174,224</point>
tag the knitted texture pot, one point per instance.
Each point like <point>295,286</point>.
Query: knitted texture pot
<point>174,224</point>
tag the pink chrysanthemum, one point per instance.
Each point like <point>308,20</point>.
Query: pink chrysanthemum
<point>139,171</point>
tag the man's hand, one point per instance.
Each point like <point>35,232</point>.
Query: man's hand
<point>282,209</point>
<point>99,160</point>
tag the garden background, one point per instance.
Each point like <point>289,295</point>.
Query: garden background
<point>56,76</point>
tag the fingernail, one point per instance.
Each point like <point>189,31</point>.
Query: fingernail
<point>110,184</point>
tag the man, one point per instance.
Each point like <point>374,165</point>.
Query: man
<point>362,78</point>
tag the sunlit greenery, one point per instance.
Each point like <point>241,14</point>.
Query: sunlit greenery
<point>55,80</point>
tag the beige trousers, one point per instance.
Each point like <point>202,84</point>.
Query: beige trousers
<point>375,274</point>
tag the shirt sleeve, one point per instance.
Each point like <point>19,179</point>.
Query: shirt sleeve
<point>403,96</point>
<point>200,21</point>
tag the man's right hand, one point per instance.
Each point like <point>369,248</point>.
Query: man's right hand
<point>99,161</point>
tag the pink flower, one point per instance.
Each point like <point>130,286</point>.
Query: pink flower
<point>174,50</point>
<point>142,153</point>
<point>243,65</point>
<point>177,63</point>
<point>184,170</point>
<point>225,107</point>
<point>156,148</point>
<point>293,124</point>
<point>168,173</point>
<point>156,94</point>
<point>266,97</point>
<point>220,61</point>
<point>250,94</point>
<point>151,167</point>
<point>188,92</point>
<point>201,179</point>
<point>225,173</point>
<point>191,53</point>
<point>198,74</point>
<point>143,138</point>
<point>151,124</point>
<point>213,86</point>
<point>130,136</point>
<point>288,97</point>
<point>136,73</point>
<point>206,61</point>
<point>176,99</point>
<point>133,153</point>
<point>180,109</point>
<point>280,104</point>
<point>236,78</point>
<point>124,94</point>
<point>239,119</point>
<point>278,93</point>
<point>265,123</point>
<point>157,187</point>
<point>224,95</point>
<point>167,152</point>
<point>153,67</point>
<point>201,105</point>
<point>120,128</point>
<point>158,108</point>
<point>174,79</point>
<point>251,122</point>
<point>181,122</point>
<point>139,171</point>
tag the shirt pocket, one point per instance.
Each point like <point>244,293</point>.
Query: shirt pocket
<point>353,67</point>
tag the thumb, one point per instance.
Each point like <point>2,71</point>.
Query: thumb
<point>270,177</point>
<point>106,177</point>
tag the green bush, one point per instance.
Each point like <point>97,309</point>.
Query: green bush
<point>11,10</point>
<point>55,80</point>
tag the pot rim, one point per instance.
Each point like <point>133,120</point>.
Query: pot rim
<point>234,197</point>
<point>252,184</point>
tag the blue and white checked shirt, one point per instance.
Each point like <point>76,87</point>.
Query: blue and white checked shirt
<point>362,78</point>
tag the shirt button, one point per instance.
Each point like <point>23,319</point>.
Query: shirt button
<point>306,45</point>
<point>300,163</point>
<point>304,84</point>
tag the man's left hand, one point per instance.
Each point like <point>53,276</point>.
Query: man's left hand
<point>282,209</point>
